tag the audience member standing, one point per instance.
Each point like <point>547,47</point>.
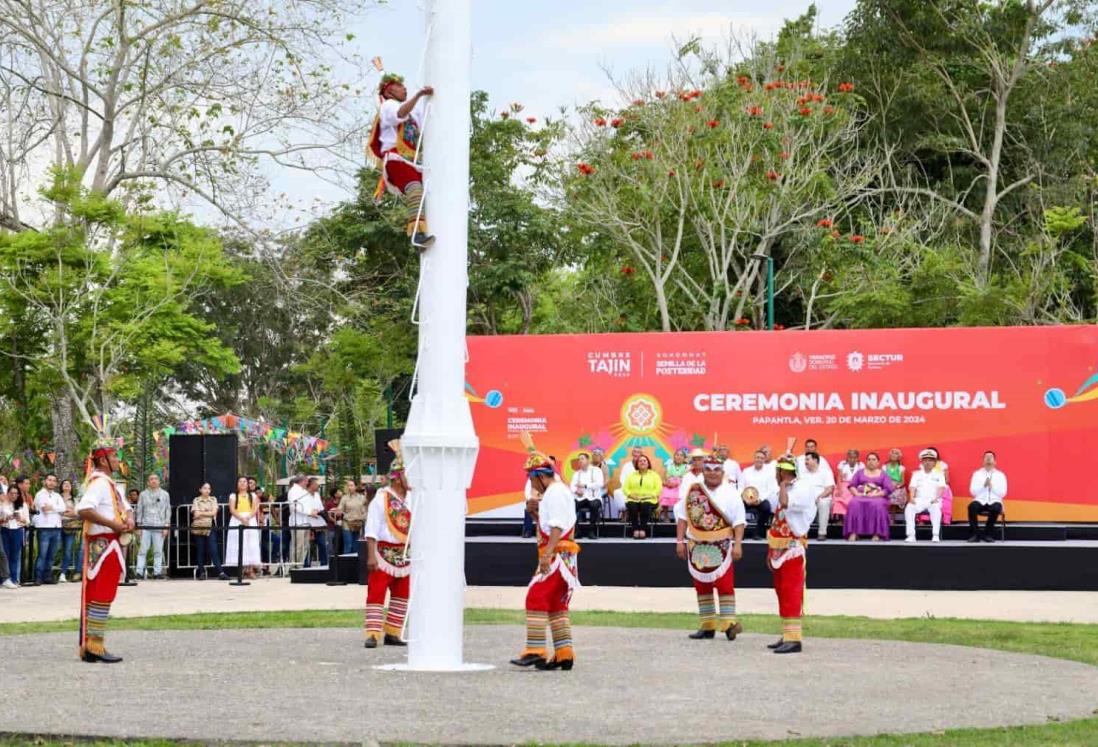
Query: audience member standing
<point>154,509</point>
<point>988,487</point>
<point>47,525</point>
<point>925,494</point>
<point>352,514</point>
<point>243,509</point>
<point>14,518</point>
<point>318,520</point>
<point>72,533</point>
<point>331,520</point>
<point>301,514</point>
<point>26,500</point>
<point>204,510</point>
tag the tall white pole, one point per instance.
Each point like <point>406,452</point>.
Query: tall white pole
<point>439,442</point>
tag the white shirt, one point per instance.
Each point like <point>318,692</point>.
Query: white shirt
<point>97,496</point>
<point>846,472</point>
<point>300,505</point>
<point>818,480</point>
<point>689,479</point>
<point>590,480</point>
<point>733,473</point>
<point>528,490</point>
<point>764,481</point>
<point>48,519</point>
<point>8,516</point>
<point>390,120</point>
<point>801,469</point>
<point>925,485</point>
<point>377,526</point>
<point>988,495</point>
<point>556,509</point>
<point>725,499</point>
<point>801,509</point>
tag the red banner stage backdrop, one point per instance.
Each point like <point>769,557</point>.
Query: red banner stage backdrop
<point>1028,393</point>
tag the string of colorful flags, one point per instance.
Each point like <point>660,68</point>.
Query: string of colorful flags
<point>300,447</point>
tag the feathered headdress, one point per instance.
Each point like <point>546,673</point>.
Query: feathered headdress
<point>537,463</point>
<point>397,465</point>
<point>102,445</point>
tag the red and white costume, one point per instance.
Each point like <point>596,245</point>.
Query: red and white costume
<point>549,594</point>
<point>711,517</point>
<point>787,553</point>
<point>104,561</point>
<point>388,519</point>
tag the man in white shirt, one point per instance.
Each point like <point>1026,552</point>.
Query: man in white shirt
<point>394,141</point>
<point>696,472</point>
<point>988,487</point>
<point>810,445</point>
<point>759,477</point>
<point>787,547</point>
<point>108,525</point>
<point>47,523</point>
<point>550,591</point>
<point>302,512</point>
<point>711,516</point>
<point>924,493</point>
<point>822,481</point>
<point>587,488</point>
<point>731,468</point>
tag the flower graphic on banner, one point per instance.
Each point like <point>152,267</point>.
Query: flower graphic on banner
<point>641,415</point>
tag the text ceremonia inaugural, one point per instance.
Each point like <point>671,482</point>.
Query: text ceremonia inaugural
<point>1028,393</point>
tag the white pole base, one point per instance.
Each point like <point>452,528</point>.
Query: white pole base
<point>464,667</point>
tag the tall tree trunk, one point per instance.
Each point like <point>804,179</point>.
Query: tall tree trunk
<point>66,445</point>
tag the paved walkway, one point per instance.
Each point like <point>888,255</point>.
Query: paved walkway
<point>61,602</point>
<point>636,687</point>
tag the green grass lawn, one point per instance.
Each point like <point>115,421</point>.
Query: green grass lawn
<point>1061,640</point>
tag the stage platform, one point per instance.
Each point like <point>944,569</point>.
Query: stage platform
<point>1033,557</point>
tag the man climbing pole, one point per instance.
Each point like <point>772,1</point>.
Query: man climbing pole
<point>393,142</point>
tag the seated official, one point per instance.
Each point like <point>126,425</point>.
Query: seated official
<point>587,490</point>
<point>988,488</point>
<point>760,477</point>
<point>642,491</point>
<point>819,476</point>
<point>867,512</point>
<point>925,494</point>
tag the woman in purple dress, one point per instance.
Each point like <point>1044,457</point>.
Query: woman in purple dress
<point>867,514</point>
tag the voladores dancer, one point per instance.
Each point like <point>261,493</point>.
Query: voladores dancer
<point>393,142</point>
<point>787,542</point>
<point>711,520</point>
<point>387,522</point>
<point>550,591</point>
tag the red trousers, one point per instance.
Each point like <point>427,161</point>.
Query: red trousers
<point>549,595</point>
<point>726,584</point>
<point>399,174</point>
<point>381,582</point>
<point>101,557</point>
<point>789,586</point>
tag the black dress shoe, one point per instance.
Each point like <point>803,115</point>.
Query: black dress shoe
<point>222,577</point>
<point>393,640</point>
<point>544,665</point>
<point>528,660</point>
<point>973,538</point>
<point>790,647</point>
<point>422,240</point>
<point>701,635</point>
<point>776,644</point>
<point>103,658</point>
<point>987,538</point>
<point>371,642</point>
<point>733,631</point>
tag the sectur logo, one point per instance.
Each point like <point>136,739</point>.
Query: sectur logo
<point>855,361</point>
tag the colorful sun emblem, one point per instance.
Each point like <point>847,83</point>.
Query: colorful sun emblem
<point>641,414</point>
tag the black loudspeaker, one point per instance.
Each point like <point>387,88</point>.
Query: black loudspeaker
<point>193,460</point>
<point>385,455</point>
